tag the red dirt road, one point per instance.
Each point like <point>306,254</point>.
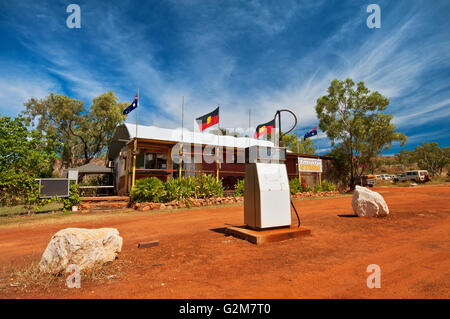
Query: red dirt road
<point>196,260</point>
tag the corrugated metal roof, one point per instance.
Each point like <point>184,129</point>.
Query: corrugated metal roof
<point>174,135</point>
<point>90,169</point>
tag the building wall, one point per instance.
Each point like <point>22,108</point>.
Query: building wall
<point>228,172</point>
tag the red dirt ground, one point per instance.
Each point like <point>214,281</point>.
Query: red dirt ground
<point>195,260</point>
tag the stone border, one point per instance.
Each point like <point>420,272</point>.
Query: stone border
<point>316,194</point>
<point>199,202</point>
<point>175,204</point>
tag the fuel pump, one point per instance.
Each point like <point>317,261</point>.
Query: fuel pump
<point>266,192</point>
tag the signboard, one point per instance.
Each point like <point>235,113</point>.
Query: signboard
<point>310,165</point>
<point>53,187</point>
<point>72,175</point>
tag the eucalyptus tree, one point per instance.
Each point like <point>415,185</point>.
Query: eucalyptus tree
<point>353,118</point>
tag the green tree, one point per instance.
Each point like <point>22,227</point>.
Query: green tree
<point>81,133</point>
<point>24,156</point>
<point>405,158</point>
<point>302,146</point>
<point>353,118</point>
<point>431,157</point>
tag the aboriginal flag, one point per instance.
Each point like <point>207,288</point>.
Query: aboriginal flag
<point>208,120</point>
<point>265,128</point>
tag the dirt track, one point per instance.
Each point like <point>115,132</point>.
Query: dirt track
<point>196,260</point>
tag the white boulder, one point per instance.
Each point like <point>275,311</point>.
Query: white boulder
<point>82,247</point>
<point>368,203</point>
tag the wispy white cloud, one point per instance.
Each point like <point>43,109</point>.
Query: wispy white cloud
<point>211,69</point>
<point>18,83</point>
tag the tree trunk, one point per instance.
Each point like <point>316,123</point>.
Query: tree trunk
<point>352,174</point>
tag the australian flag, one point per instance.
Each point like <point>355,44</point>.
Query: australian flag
<point>313,132</point>
<point>132,106</point>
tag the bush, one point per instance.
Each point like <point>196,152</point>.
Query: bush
<point>239,188</point>
<point>153,190</point>
<point>180,188</point>
<point>208,186</point>
<point>73,199</point>
<point>149,189</point>
<point>328,186</point>
<point>295,186</point>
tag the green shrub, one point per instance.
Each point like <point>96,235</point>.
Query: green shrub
<point>180,188</point>
<point>328,186</point>
<point>149,189</point>
<point>73,199</point>
<point>153,190</point>
<point>295,186</point>
<point>317,188</point>
<point>208,186</point>
<point>173,189</point>
<point>239,188</point>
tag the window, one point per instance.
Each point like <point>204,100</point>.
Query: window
<point>156,160</point>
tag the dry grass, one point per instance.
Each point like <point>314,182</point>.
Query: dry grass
<point>29,277</point>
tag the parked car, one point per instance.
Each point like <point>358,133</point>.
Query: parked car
<point>368,180</point>
<point>385,177</point>
<point>416,176</point>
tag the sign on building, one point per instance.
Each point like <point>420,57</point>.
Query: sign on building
<point>310,165</point>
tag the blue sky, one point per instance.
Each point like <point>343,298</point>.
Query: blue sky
<point>258,55</point>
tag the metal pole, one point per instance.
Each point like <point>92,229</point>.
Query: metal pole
<point>182,139</point>
<point>298,166</point>
<point>217,149</point>
<point>137,113</point>
<point>135,146</point>
<point>280,143</point>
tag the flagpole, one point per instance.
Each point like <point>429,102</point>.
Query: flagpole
<point>298,164</point>
<point>135,144</point>
<point>182,136</point>
<point>249,126</point>
<point>218,143</point>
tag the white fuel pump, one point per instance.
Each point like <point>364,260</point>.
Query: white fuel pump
<point>266,186</point>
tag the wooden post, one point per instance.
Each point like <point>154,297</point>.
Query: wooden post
<point>180,167</point>
<point>320,173</point>
<point>169,163</point>
<point>134,163</point>
<point>217,172</point>
<point>126,171</point>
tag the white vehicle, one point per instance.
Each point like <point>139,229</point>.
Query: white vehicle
<point>417,176</point>
<point>385,177</point>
